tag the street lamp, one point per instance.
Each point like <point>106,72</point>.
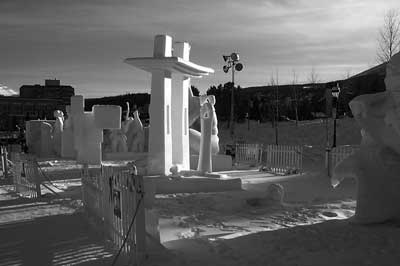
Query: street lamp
<point>335,94</point>
<point>232,62</point>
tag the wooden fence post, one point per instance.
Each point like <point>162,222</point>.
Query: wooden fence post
<point>140,223</point>
<point>328,162</point>
<point>36,177</point>
<point>4,161</point>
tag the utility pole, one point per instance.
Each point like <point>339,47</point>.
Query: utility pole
<point>232,63</point>
<point>232,118</point>
<point>277,114</point>
<point>295,97</point>
<point>335,94</point>
<point>277,108</point>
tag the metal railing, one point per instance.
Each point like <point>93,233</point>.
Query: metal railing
<point>283,159</point>
<point>113,200</point>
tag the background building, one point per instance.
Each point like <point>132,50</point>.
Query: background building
<point>52,89</point>
<point>33,102</point>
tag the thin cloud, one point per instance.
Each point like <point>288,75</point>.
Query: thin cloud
<point>84,42</point>
<point>6,91</point>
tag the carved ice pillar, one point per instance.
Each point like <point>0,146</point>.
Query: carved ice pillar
<point>160,135</point>
<point>67,137</point>
<point>77,110</point>
<point>168,137</point>
<point>180,114</point>
<point>205,158</point>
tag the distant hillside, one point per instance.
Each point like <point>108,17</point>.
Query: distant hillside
<point>138,101</point>
<point>272,103</point>
<point>268,103</point>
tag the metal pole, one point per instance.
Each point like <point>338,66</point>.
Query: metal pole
<point>232,126</point>
<point>334,127</point>
<point>277,116</point>
<point>295,105</point>
<point>334,132</point>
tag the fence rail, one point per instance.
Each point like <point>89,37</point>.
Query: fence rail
<point>25,174</point>
<point>283,159</point>
<point>338,154</point>
<point>280,159</point>
<point>250,154</point>
<point>111,200</point>
<point>4,161</point>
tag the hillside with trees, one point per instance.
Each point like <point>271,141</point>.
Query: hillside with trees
<point>294,102</point>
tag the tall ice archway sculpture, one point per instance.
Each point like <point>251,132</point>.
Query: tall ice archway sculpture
<point>169,107</point>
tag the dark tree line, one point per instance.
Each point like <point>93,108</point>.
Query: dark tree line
<point>260,103</point>
<point>137,101</point>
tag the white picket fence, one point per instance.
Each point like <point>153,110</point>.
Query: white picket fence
<point>283,159</point>
<point>25,174</point>
<point>280,159</point>
<point>338,154</point>
<point>111,200</point>
<point>249,154</point>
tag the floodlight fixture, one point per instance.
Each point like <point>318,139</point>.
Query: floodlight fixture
<point>226,69</point>
<point>232,62</point>
<point>235,57</point>
<point>239,67</point>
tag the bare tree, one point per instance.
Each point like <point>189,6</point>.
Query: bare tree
<point>313,77</point>
<point>347,74</point>
<point>294,82</point>
<point>389,36</point>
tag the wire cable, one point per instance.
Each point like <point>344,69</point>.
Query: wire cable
<point>46,177</point>
<point>129,230</point>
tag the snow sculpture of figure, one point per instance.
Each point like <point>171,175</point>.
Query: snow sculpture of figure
<point>137,144</point>
<point>214,129</point>
<point>67,137</point>
<point>377,163</point>
<point>118,141</point>
<point>46,140</point>
<point>57,131</point>
<point>133,129</point>
<point>207,119</point>
<point>194,113</point>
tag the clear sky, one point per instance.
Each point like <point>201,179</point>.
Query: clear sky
<point>84,42</point>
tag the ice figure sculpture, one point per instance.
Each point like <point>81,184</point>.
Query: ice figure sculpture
<point>194,135</point>
<point>205,158</point>
<point>135,134</point>
<point>67,137</point>
<point>118,140</point>
<point>57,131</point>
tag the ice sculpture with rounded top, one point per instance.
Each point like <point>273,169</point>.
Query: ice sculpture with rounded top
<point>376,165</point>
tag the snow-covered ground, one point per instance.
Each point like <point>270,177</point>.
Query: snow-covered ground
<point>310,227</point>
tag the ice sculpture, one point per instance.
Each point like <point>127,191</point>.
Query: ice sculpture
<point>194,135</point>
<point>67,137</point>
<point>205,158</point>
<point>57,131</point>
<point>118,141</point>
<point>133,129</point>
<point>377,163</point>
<point>88,128</point>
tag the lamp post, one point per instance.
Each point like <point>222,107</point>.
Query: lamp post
<point>232,62</point>
<point>335,94</point>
